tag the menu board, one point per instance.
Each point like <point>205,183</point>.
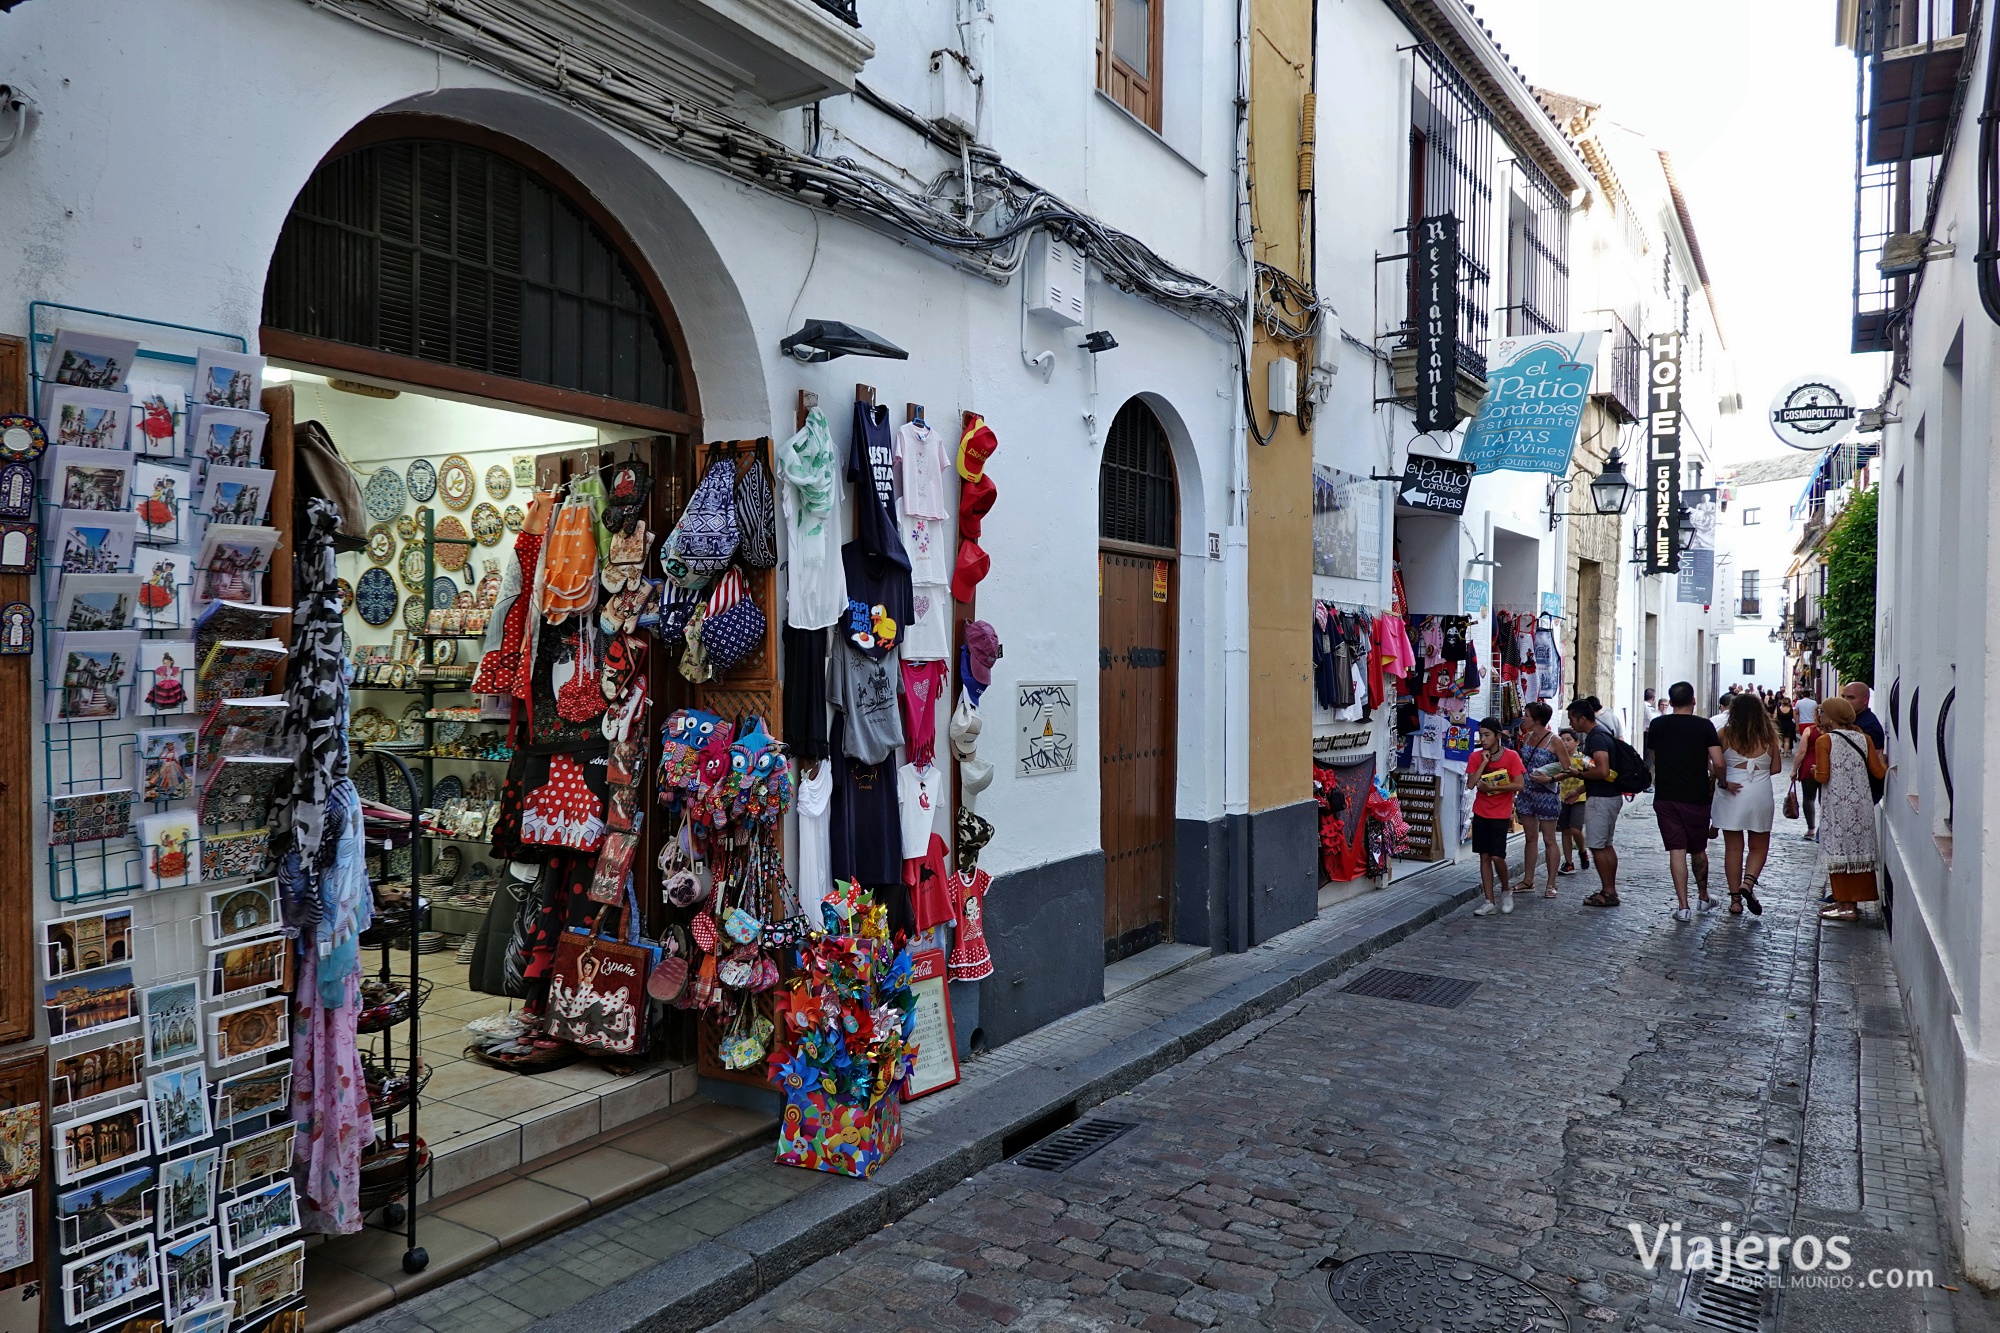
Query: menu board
<point>937,1052</point>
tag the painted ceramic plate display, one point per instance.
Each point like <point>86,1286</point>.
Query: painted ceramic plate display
<point>448,861</point>
<point>447,733</point>
<point>346,591</point>
<point>515,517</point>
<point>22,438</point>
<point>448,788</point>
<point>422,479</point>
<point>383,496</point>
<point>498,482</point>
<point>488,595</point>
<point>465,601</point>
<point>411,727</point>
<point>445,652</point>
<point>454,482</point>
<point>381,544</point>
<point>407,529</point>
<point>415,614</point>
<point>444,593</point>
<point>451,547</point>
<point>487,525</point>
<point>410,567</point>
<point>375,596</point>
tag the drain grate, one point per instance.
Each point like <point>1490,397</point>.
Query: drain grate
<point>1416,1291</point>
<point>1412,987</point>
<point>1735,1304</point>
<point>1064,1149</point>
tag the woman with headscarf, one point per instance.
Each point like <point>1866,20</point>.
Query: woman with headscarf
<point>1844,759</point>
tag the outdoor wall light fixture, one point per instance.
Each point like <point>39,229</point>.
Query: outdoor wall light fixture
<point>1098,340</point>
<point>1610,492</point>
<point>825,339</point>
<point>1684,524</point>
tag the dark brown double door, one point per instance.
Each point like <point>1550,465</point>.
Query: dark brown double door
<point>1136,747</point>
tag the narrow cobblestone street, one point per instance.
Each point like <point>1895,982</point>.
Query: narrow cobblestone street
<point>1611,1067</point>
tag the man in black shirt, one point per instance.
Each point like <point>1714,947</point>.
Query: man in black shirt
<point>1602,801</point>
<point>1687,762</point>
<point>1858,694</point>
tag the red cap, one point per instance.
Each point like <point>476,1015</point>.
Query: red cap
<point>972,566</point>
<point>975,446</point>
<point>975,497</point>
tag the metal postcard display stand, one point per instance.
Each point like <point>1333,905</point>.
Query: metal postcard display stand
<point>171,1162</point>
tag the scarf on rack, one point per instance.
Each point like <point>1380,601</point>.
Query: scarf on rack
<point>807,463</point>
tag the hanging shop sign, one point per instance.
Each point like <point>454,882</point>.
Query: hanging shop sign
<point>1552,604</point>
<point>1812,412</point>
<point>1697,577</point>
<point>1045,724</point>
<point>1347,525</point>
<point>1477,596</point>
<point>1663,454</point>
<point>1434,255</point>
<point>1436,484</point>
<point>1536,388</point>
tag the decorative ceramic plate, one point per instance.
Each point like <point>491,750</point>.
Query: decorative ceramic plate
<point>448,789</point>
<point>422,479</point>
<point>487,525</point>
<point>498,482</point>
<point>365,723</point>
<point>455,483</point>
<point>346,644</point>
<point>381,544</point>
<point>407,529</point>
<point>22,438</point>
<point>445,652</point>
<point>375,595</point>
<point>410,727</point>
<point>346,591</point>
<point>444,593</point>
<point>415,614</point>
<point>448,861</point>
<point>515,517</point>
<point>410,567</point>
<point>449,733</point>
<point>465,600</point>
<point>451,546</point>
<point>488,595</point>
<point>383,496</point>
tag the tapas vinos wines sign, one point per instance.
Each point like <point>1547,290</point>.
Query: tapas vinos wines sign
<point>1536,388</point>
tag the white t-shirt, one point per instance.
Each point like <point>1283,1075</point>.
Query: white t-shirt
<point>816,594</point>
<point>917,793</point>
<point>928,540</point>
<point>1808,711</point>
<point>928,636</point>
<point>920,456</point>
<point>815,804</point>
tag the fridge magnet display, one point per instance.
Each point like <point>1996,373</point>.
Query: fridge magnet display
<point>421,480</point>
<point>90,815</point>
<point>250,1220</point>
<point>166,755</point>
<point>247,1030</point>
<point>90,359</point>
<point>166,578</point>
<point>235,855</point>
<point>272,1280</point>
<point>90,602</point>
<point>93,542</point>
<point>92,672</point>
<point>246,967</point>
<point>239,495</point>
<point>247,1161</point>
<point>233,559</point>
<point>94,1144</point>
<point>17,629</point>
<point>82,1076</point>
<point>455,483</point>
<point>17,1230</point>
<point>159,493</point>
<point>92,479</point>
<point>20,1145</point>
<point>159,420</point>
<point>179,1099</point>
<point>86,418</point>
<point>241,913</point>
<point>163,666</point>
<point>73,944</point>
<point>90,1002</point>
<point>22,437</point>
<point>193,1273</point>
<point>249,1096</point>
<point>226,437</point>
<point>19,490</point>
<point>107,1207</point>
<point>187,1191</point>
<point>227,379</point>
<point>173,1022</point>
<point>100,1281</point>
<point>20,550</point>
<point>169,851</point>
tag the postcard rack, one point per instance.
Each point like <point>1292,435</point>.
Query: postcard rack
<point>396,1199</point>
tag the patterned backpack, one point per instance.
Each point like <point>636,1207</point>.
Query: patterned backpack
<point>704,542</point>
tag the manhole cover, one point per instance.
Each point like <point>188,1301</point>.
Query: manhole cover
<point>1414,1291</point>
<point>1386,983</point>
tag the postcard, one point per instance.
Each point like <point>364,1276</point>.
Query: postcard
<point>241,913</point>
<point>248,1160</point>
<point>159,420</point>
<point>89,602</point>
<point>193,1273</point>
<point>91,940</point>
<point>259,1092</point>
<point>91,673</point>
<point>227,436</point>
<point>249,1029</point>
<point>162,681</point>
<point>160,496</point>
<point>227,379</point>
<point>20,1145</point>
<point>96,1143</point>
<point>169,850</point>
<point>105,1208</point>
<point>233,559</point>
<point>85,418</point>
<point>83,1075</point>
<point>249,1220</point>
<point>17,1230</point>
<point>92,1000</point>
<point>211,1319</point>
<point>173,1021</point>
<point>240,495</point>
<point>272,1280</point>
<point>242,788</point>
<point>166,755</point>
<point>90,541</point>
<point>94,479</point>
<point>167,580</point>
<point>246,967</point>
<point>187,1191</point>
<point>90,815</point>
<point>100,1281</point>
<point>235,855</point>
<point>90,359</point>
<point>179,1099</point>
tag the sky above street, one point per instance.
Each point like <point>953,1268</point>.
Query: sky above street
<point>1756,105</point>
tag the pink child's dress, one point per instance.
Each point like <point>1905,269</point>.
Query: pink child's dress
<point>969,959</point>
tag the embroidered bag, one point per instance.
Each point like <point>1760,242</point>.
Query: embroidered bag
<point>705,539</point>
<point>756,516</point>
<point>733,628</point>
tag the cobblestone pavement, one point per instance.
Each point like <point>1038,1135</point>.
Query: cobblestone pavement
<point>1612,1067</point>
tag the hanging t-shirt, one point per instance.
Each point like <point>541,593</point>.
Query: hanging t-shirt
<point>866,842</point>
<point>923,686</point>
<point>816,586</point>
<point>1452,638</point>
<point>920,455</point>
<point>929,636</point>
<point>805,692</point>
<point>879,607</point>
<point>871,466</point>
<point>864,689</point>
<point>918,790</point>
<point>815,805</point>
<point>928,543</point>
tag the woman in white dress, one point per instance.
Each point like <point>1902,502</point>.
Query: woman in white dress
<point>1751,754</point>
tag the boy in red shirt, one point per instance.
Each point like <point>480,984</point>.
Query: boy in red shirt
<point>1496,774</point>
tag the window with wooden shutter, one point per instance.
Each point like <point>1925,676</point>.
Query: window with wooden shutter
<point>1136,481</point>
<point>1128,55</point>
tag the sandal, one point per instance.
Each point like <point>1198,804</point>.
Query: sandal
<point>1750,897</point>
<point>1551,892</point>
<point>1736,904</point>
<point>1842,912</point>
<point>1601,899</point>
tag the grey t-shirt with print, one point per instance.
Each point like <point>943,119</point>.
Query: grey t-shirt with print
<point>865,689</point>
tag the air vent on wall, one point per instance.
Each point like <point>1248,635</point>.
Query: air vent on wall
<point>1055,274</point>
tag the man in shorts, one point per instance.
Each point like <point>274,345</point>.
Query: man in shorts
<point>1602,802</point>
<point>1687,763</point>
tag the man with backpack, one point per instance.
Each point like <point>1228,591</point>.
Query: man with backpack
<point>1612,770</point>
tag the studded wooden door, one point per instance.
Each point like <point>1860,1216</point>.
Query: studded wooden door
<point>1136,749</point>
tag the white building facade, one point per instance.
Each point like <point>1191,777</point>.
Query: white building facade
<point>1755,528</point>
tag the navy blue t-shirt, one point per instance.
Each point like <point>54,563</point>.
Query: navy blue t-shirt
<point>871,466</point>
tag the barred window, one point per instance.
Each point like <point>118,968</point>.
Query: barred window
<point>1538,254</point>
<point>1452,161</point>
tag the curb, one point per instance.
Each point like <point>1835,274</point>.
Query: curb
<point>703,1284</point>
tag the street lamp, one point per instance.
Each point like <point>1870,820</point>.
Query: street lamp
<point>1684,523</point>
<point>1610,492</point>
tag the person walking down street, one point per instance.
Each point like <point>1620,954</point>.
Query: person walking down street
<point>1604,801</point>
<point>1687,760</point>
<point>1495,772</point>
<point>1569,825</point>
<point>1858,694</point>
<point>1787,719</point>
<point>1744,806</point>
<point>1803,779</point>
<point>1544,755</point>
<point>1844,759</point>
<point>1808,709</point>
<point>1605,718</point>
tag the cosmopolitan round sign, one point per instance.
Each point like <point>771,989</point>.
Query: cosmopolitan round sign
<point>1813,412</point>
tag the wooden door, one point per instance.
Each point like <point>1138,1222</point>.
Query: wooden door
<point>1136,747</point>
